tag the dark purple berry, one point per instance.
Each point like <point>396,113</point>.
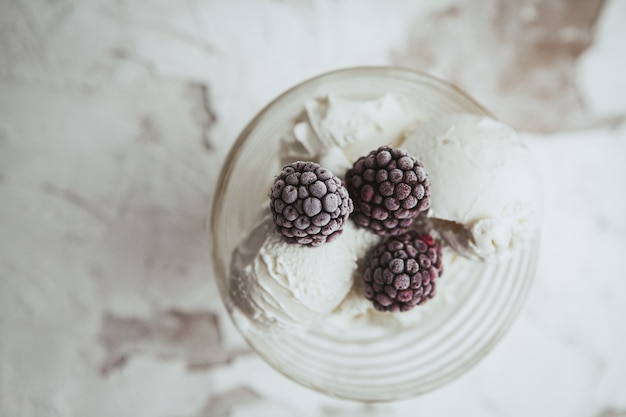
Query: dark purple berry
<point>389,188</point>
<point>402,271</point>
<point>309,205</point>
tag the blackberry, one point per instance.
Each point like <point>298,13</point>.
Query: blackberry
<point>389,189</point>
<point>309,204</point>
<point>401,272</point>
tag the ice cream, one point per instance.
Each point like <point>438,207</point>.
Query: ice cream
<point>485,184</point>
<point>278,285</point>
<point>337,130</point>
<point>484,202</point>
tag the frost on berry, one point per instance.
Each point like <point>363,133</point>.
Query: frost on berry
<point>389,189</point>
<point>309,205</point>
<point>401,272</point>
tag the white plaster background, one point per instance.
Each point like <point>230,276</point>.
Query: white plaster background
<point>115,117</point>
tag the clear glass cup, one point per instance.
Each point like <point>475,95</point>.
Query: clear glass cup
<point>398,362</point>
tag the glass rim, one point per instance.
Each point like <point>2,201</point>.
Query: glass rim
<point>217,212</point>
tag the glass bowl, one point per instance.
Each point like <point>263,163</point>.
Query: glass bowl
<point>396,362</point>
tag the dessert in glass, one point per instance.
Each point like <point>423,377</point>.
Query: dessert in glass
<point>375,232</point>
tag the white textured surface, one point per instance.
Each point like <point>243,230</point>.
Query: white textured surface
<point>115,118</point>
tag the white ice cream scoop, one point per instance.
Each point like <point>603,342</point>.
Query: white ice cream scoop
<point>279,284</point>
<point>485,185</point>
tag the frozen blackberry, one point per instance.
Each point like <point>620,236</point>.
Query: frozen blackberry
<point>389,189</point>
<point>401,272</point>
<point>309,204</point>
